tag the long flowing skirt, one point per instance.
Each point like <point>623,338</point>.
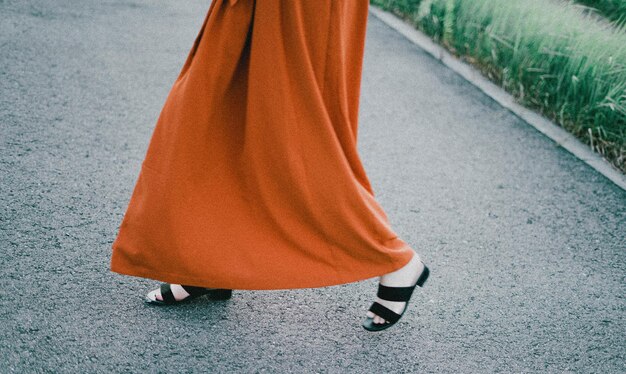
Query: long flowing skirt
<point>252,178</point>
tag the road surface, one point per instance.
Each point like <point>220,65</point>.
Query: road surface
<point>526,243</point>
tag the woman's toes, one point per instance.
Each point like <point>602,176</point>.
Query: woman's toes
<point>152,295</point>
<point>370,314</point>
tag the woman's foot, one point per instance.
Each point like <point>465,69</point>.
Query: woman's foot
<point>403,277</point>
<point>168,294</point>
<point>178,291</point>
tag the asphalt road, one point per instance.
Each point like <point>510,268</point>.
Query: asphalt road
<point>526,244</point>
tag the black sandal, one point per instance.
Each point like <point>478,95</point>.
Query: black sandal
<point>392,294</point>
<point>193,291</point>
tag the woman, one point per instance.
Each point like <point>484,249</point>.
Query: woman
<point>252,178</point>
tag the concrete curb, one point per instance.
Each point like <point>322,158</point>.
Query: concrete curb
<point>475,77</point>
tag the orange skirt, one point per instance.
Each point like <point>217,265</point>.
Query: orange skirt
<point>252,178</point>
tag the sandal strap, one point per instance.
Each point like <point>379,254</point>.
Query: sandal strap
<point>384,312</point>
<point>166,293</point>
<point>395,293</point>
<point>195,291</point>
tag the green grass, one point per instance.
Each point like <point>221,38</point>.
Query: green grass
<point>615,10</point>
<point>546,53</point>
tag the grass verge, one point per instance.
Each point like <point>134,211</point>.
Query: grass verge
<point>548,54</point>
<point>614,10</point>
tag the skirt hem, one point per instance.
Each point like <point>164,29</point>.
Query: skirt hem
<point>175,278</point>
